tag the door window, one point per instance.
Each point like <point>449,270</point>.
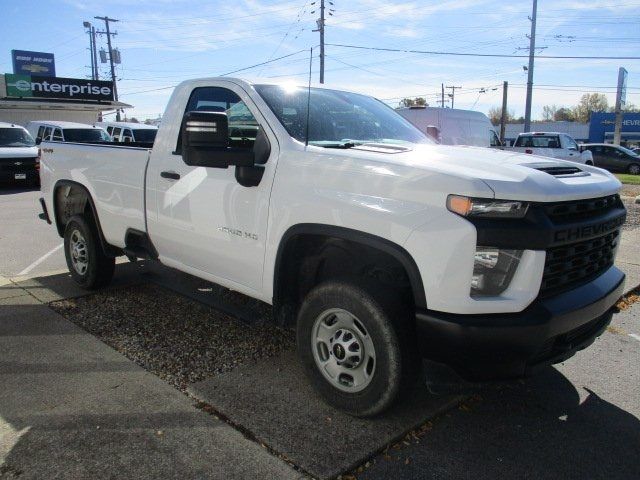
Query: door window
<point>40,134</point>
<point>116,134</point>
<point>494,141</point>
<point>110,130</point>
<point>57,135</point>
<point>570,143</point>
<point>47,133</point>
<point>243,126</point>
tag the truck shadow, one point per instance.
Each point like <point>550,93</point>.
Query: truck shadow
<point>539,428</point>
<point>10,189</point>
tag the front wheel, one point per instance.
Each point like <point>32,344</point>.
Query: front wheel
<point>634,169</point>
<point>353,344</point>
<point>89,266</point>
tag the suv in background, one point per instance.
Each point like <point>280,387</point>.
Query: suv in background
<point>614,157</point>
<point>59,131</point>
<point>129,132</point>
<point>19,156</point>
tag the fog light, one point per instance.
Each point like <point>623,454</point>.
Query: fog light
<point>493,269</point>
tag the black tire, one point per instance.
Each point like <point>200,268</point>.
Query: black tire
<point>99,267</point>
<point>385,321</point>
<point>634,169</point>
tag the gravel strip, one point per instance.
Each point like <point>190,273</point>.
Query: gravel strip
<point>633,214</point>
<point>173,337</point>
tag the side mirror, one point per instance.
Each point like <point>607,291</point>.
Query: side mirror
<point>38,141</point>
<point>205,142</point>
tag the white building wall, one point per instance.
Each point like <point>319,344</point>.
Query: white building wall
<point>22,116</point>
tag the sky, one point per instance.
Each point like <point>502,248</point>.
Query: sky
<point>163,42</point>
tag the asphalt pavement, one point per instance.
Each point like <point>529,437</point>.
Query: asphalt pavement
<point>28,245</point>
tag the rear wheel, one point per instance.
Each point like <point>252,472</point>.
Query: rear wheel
<point>89,266</point>
<point>353,343</point>
<point>634,169</point>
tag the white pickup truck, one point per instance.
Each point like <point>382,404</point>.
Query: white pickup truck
<point>551,144</point>
<point>378,246</point>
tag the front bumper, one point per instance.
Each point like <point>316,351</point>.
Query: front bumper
<point>549,331</point>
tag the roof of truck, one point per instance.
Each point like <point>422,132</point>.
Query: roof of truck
<point>10,125</point>
<point>133,125</point>
<point>62,124</point>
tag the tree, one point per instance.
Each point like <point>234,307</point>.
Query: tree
<point>495,115</point>
<point>134,120</point>
<point>413,102</point>
<point>564,114</point>
<point>590,102</point>
<point>549,112</point>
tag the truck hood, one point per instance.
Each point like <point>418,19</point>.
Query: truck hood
<point>511,176</point>
<point>18,152</point>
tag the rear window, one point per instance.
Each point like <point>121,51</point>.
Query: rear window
<point>538,141</point>
<point>15,137</point>
<point>146,135</point>
<point>85,135</point>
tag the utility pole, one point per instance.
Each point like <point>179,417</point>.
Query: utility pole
<point>532,53</point>
<point>92,50</point>
<point>453,94</point>
<point>442,95</point>
<point>503,117</point>
<point>621,100</point>
<point>113,70</point>
<point>320,23</point>
<point>95,54</point>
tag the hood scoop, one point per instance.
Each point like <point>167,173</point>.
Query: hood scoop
<point>560,170</point>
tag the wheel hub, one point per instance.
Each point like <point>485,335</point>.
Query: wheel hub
<point>346,348</point>
<point>78,252</point>
<point>343,350</point>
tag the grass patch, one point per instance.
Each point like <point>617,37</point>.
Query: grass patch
<point>628,179</point>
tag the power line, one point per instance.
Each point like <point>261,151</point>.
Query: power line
<point>495,55</point>
<point>222,75</point>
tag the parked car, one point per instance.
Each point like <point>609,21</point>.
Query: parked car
<point>451,126</point>
<point>60,131</point>
<point>19,162</point>
<point>128,132</point>
<point>376,244</point>
<point>614,157</point>
<point>551,144</point>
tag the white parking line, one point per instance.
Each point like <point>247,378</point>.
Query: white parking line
<point>636,336</point>
<point>40,260</point>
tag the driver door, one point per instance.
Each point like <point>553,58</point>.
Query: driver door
<point>205,219</point>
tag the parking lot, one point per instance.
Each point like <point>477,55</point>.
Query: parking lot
<point>166,375</point>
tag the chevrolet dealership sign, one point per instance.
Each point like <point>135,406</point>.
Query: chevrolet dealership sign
<point>35,86</point>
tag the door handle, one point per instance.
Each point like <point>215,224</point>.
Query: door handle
<point>170,175</point>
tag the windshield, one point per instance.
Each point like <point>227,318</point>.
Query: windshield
<point>146,135</point>
<point>15,137</point>
<point>538,141</point>
<point>86,135</point>
<point>628,152</point>
<point>337,118</point>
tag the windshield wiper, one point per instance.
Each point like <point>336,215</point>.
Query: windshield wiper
<point>347,144</point>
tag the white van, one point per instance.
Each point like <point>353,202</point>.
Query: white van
<point>59,131</point>
<point>130,132</point>
<point>450,126</point>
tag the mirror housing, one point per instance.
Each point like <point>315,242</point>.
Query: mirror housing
<point>205,142</point>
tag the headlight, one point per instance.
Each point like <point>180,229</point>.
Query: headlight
<point>486,207</point>
<point>493,270</point>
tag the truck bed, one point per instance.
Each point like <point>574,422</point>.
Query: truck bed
<point>114,174</point>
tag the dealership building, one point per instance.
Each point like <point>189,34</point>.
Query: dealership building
<point>30,97</point>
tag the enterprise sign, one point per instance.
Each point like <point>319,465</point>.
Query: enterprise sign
<point>36,86</point>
